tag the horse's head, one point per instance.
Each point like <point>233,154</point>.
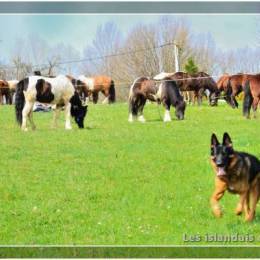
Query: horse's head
<point>213,98</point>
<point>81,89</point>
<point>180,109</point>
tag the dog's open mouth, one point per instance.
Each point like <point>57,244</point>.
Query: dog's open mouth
<point>221,171</point>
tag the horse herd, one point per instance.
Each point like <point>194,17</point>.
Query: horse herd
<point>169,89</point>
<point>172,87</point>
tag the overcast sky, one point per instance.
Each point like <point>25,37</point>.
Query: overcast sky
<point>228,31</point>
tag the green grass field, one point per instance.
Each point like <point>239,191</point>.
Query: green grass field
<point>118,183</point>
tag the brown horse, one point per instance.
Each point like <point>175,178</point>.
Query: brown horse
<point>100,83</point>
<point>232,85</point>
<point>198,82</point>
<point>222,83</point>
<point>142,89</point>
<point>252,95</point>
<point>5,92</point>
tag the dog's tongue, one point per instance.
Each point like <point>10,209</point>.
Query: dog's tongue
<point>221,171</point>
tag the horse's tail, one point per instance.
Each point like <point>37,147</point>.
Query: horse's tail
<point>112,92</point>
<point>135,101</point>
<point>248,99</point>
<point>133,105</point>
<point>20,99</point>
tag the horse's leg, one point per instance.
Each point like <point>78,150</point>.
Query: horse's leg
<point>67,115</point>
<point>106,94</point>
<point>1,99</point>
<point>26,110</point>
<point>133,109</point>
<point>31,119</point>
<point>255,105</point>
<point>200,96</point>
<point>9,97</point>
<point>190,95</point>
<point>195,96</point>
<point>185,96</point>
<point>56,113</point>
<point>167,115</point>
<point>95,97</point>
<point>234,101</point>
<point>141,116</point>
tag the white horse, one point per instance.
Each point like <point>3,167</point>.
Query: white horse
<point>56,91</point>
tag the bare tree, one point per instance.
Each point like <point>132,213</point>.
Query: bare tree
<point>107,41</point>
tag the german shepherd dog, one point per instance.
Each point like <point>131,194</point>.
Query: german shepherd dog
<point>237,172</point>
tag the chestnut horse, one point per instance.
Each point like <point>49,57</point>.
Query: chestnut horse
<point>252,95</point>
<point>232,85</point>
<point>100,83</point>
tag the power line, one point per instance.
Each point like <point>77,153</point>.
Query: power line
<point>45,65</point>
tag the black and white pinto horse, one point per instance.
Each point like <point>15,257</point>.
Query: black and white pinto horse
<point>57,91</point>
<point>168,94</point>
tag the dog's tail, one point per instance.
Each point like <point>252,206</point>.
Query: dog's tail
<point>248,99</point>
<point>20,99</point>
<point>112,92</point>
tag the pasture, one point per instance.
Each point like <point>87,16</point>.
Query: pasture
<point>118,183</point>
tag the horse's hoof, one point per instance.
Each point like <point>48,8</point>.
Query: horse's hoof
<point>130,118</point>
<point>141,119</point>
<point>25,129</point>
<point>68,128</point>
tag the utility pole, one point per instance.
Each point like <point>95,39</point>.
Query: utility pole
<point>176,57</point>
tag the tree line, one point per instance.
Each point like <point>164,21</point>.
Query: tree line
<point>197,51</point>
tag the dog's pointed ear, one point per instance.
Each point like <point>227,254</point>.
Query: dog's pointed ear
<point>227,140</point>
<point>214,140</point>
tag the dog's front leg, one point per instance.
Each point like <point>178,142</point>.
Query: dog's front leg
<point>220,188</point>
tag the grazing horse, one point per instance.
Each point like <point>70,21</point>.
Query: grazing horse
<point>56,91</point>
<point>198,82</point>
<point>142,89</point>
<point>168,94</point>
<point>100,83</point>
<point>252,95</point>
<point>232,85</point>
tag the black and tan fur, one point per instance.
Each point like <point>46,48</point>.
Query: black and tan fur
<point>236,172</point>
